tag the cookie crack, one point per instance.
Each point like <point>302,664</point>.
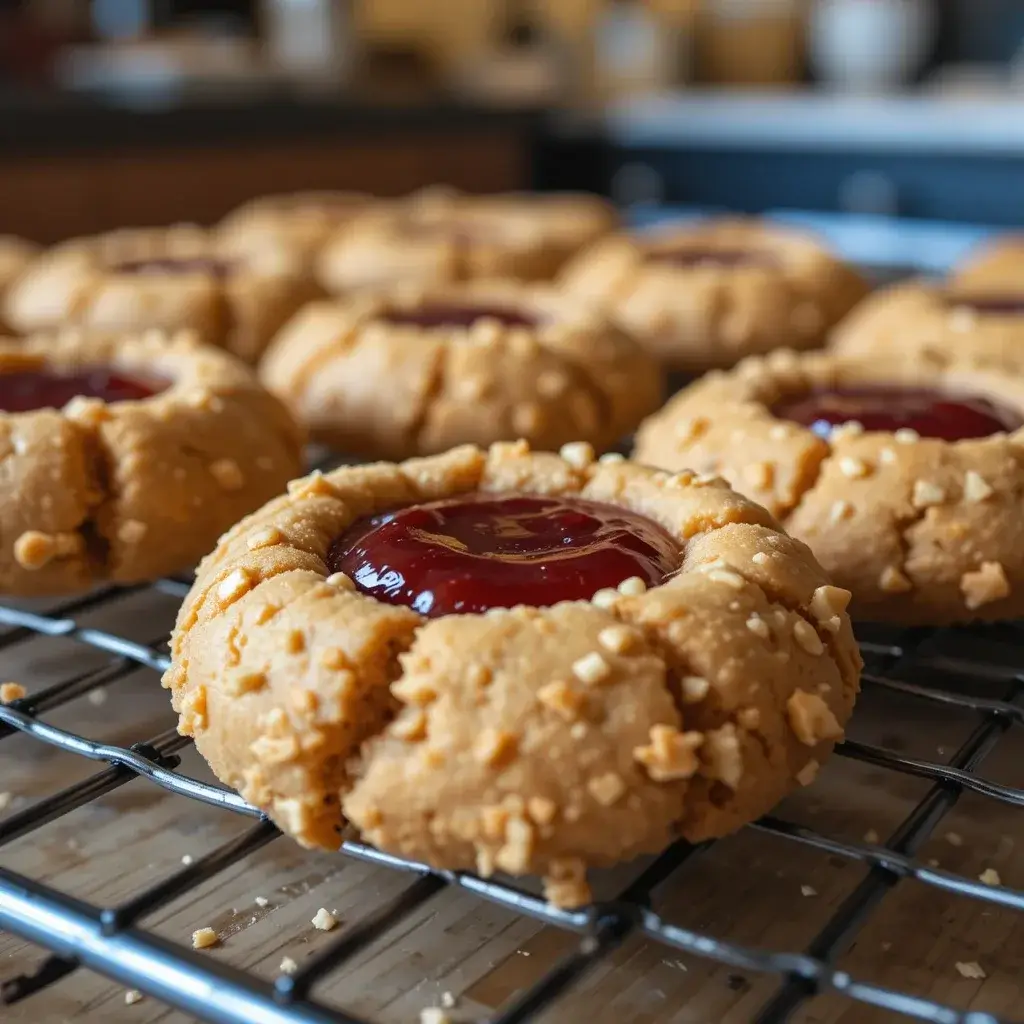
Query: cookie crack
<point>433,391</point>
<point>808,487</point>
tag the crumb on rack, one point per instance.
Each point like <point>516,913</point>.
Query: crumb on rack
<point>203,938</point>
<point>954,839</point>
<point>808,890</point>
<point>434,1015</point>
<point>132,996</point>
<point>288,965</point>
<point>970,969</point>
<point>11,691</point>
<point>324,920</point>
<point>261,901</point>
<point>990,877</point>
<point>97,697</point>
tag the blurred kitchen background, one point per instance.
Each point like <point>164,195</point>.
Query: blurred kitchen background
<point>841,113</point>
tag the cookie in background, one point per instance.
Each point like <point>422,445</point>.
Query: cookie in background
<point>127,455</point>
<point>413,370</point>
<point>294,224</point>
<point>438,236</point>
<point>903,476</point>
<point>703,296</point>
<point>172,278</point>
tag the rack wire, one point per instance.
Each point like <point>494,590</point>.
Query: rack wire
<point>111,939</point>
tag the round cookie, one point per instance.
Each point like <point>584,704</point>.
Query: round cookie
<point>437,237</point>
<point>15,256</point>
<point>125,457</point>
<point>926,320</point>
<point>295,225</point>
<point>529,739</point>
<point>922,529</point>
<point>995,270</point>
<point>173,278</point>
<point>704,295</point>
<point>417,371</point>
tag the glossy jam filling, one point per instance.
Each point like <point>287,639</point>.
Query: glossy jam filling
<point>26,390</point>
<point>451,315</point>
<point>693,257</point>
<point>990,305</point>
<point>931,413</point>
<point>168,265</point>
<point>471,553</point>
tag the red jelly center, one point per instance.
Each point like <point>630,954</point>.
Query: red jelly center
<point>444,315</point>
<point>168,265</point>
<point>993,305</point>
<point>472,553</point>
<point>26,390</point>
<point>712,258</point>
<point>930,413</point>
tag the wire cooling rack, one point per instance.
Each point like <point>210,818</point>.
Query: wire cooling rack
<point>111,940</point>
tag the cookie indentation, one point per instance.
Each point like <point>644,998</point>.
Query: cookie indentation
<point>28,390</point>
<point>928,412</point>
<point>440,314</point>
<point>473,553</point>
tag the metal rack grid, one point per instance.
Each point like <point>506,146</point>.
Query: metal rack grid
<point>111,941</point>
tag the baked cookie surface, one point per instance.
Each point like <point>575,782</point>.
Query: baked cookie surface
<point>703,296</point>
<point>171,279</point>
<point>922,529</point>
<point>126,456</point>
<point>15,255</point>
<point>417,371</point>
<point>532,739</point>
<point>295,225</point>
<point>949,323</point>
<point>437,237</point>
<point>995,269</point>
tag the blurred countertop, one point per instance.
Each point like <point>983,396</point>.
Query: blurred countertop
<point>968,123</point>
<point>63,123</point>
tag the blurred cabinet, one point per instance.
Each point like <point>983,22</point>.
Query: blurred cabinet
<point>54,196</point>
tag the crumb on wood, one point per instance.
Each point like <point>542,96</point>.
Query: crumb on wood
<point>871,836</point>
<point>203,938</point>
<point>288,965</point>
<point>186,859</point>
<point>970,969</point>
<point>132,996</point>
<point>97,697</point>
<point>5,801</point>
<point>324,920</point>
<point>447,1000</point>
<point>954,839</point>
<point>808,890</point>
<point>261,901</point>
<point>990,877</point>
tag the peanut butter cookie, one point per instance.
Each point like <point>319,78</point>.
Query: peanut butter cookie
<point>507,661</point>
<point>416,371</point>
<point>294,225</point>
<point>125,457</point>
<point>995,269</point>
<point>171,279</point>
<point>945,323</point>
<point>15,256</point>
<point>705,295</point>
<point>904,477</point>
<point>438,237</point>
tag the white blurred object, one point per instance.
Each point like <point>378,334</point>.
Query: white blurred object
<point>310,39</point>
<point>870,45</point>
<point>636,50</point>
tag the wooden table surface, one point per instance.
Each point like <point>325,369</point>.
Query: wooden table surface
<point>755,888</point>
